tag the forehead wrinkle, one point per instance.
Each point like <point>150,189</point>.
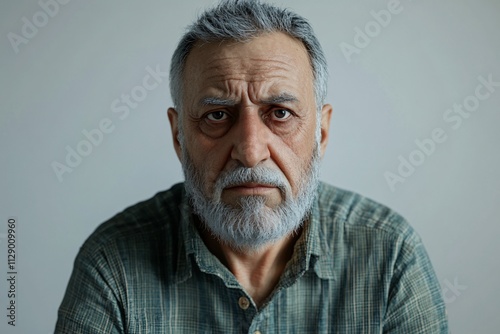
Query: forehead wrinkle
<point>241,68</point>
<point>245,60</point>
<point>227,83</point>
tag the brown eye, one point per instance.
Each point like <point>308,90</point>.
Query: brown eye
<point>281,114</point>
<point>217,116</point>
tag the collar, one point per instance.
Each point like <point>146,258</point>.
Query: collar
<point>313,250</point>
<point>192,250</point>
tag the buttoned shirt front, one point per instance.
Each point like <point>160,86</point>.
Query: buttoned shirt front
<point>358,267</point>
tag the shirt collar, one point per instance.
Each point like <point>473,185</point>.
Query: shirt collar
<point>313,250</point>
<point>319,242</point>
<point>195,250</point>
<point>186,240</point>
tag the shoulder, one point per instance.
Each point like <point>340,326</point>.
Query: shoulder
<point>361,235</point>
<point>354,213</point>
<point>377,257</point>
<point>139,225</point>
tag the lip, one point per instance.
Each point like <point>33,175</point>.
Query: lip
<point>251,188</point>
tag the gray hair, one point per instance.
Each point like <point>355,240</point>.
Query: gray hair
<point>241,20</point>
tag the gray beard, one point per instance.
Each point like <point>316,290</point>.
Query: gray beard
<point>251,224</point>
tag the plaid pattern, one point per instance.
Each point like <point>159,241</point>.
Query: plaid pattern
<point>357,268</point>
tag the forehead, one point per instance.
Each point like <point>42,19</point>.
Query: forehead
<point>262,63</point>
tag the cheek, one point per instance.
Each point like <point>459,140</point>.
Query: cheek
<point>294,156</point>
<point>301,168</point>
<point>208,158</point>
<point>293,163</point>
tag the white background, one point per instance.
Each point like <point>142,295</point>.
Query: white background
<point>393,92</point>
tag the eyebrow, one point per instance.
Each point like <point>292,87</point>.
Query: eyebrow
<point>276,99</point>
<point>216,101</point>
<point>281,98</point>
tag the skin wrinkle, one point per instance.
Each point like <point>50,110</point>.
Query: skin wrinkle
<point>267,64</point>
<point>281,68</point>
<point>277,100</point>
<point>287,101</point>
<point>259,75</point>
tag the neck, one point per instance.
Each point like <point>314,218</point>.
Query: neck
<point>257,270</point>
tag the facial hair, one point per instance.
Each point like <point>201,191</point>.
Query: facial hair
<point>251,225</point>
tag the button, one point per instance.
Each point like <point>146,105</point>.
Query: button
<point>257,332</point>
<point>244,302</point>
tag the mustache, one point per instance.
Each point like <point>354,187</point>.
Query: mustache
<point>259,174</point>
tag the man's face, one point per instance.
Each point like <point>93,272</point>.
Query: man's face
<point>249,107</point>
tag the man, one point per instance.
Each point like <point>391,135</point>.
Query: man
<point>252,242</point>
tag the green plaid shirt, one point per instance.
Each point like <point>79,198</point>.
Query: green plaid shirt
<point>358,267</point>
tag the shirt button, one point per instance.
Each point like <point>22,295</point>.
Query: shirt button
<point>257,332</point>
<point>244,303</point>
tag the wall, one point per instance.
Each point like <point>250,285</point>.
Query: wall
<point>398,135</point>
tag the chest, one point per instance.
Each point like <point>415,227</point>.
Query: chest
<point>208,305</point>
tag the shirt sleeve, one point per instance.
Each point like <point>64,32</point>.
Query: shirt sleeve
<point>415,303</point>
<point>92,302</point>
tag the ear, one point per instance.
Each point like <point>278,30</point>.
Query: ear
<point>173,116</point>
<point>326,114</point>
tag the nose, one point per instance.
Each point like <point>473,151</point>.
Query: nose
<point>250,140</point>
